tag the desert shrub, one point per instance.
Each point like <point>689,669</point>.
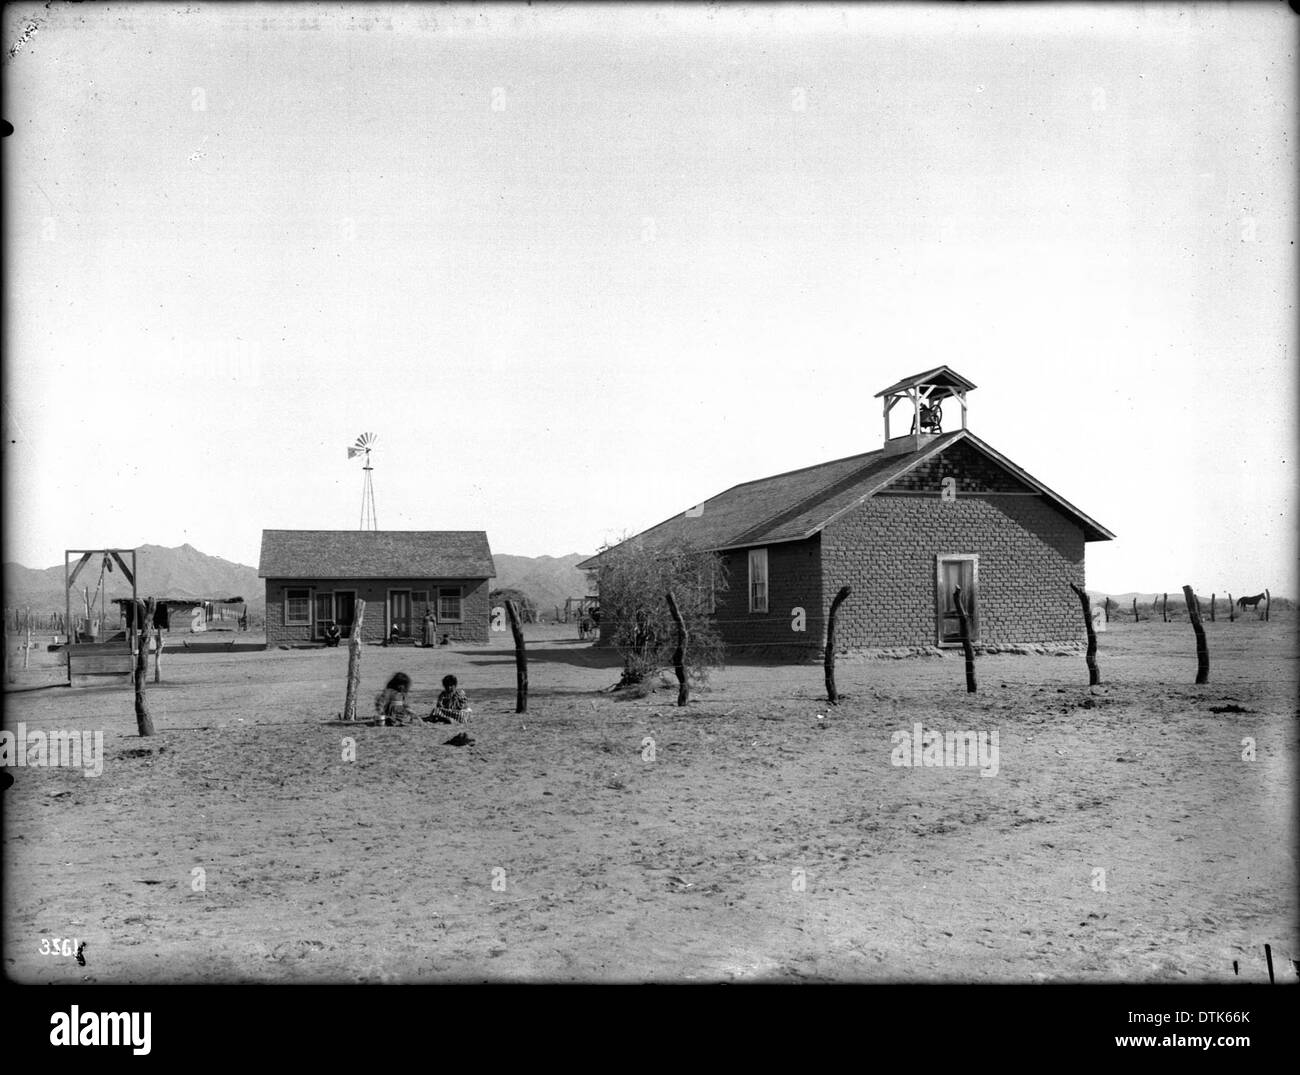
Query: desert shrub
<point>633,582</point>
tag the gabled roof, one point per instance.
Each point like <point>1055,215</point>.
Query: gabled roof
<point>335,554</point>
<point>940,375</point>
<point>795,505</point>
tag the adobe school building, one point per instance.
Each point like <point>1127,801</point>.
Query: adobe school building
<point>903,526</point>
<point>314,579</point>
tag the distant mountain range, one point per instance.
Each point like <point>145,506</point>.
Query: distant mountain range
<point>160,572</point>
<point>186,572</point>
<point>548,580</point>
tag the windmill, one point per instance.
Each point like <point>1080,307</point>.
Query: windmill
<point>362,447</point>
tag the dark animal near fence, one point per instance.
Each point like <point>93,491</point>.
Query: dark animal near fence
<point>1250,602</point>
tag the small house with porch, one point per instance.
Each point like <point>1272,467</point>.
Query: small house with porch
<point>904,526</point>
<point>314,579</point>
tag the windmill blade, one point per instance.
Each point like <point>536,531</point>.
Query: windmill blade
<point>354,452</point>
<point>366,441</point>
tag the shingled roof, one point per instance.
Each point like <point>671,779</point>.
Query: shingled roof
<point>336,554</point>
<point>795,505</point>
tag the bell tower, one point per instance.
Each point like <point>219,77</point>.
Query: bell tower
<point>923,417</point>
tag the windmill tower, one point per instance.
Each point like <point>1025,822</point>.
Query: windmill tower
<point>362,447</point>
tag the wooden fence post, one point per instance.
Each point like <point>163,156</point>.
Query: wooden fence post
<point>521,659</point>
<point>832,696</point>
<point>679,654</point>
<point>27,641</point>
<point>1164,610</point>
<point>1232,610</point>
<point>967,649</point>
<point>354,664</point>
<point>1268,600</point>
<point>1212,596</point>
<point>1202,651</point>
<point>144,615</point>
<point>1136,618</point>
<point>157,654</point>
<point>1094,673</point>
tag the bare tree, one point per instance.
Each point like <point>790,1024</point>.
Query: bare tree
<point>632,580</point>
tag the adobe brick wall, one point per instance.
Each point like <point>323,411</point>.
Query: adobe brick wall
<point>794,581</point>
<point>474,625</point>
<point>886,550</point>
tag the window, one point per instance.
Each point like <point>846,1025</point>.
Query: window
<point>324,609</point>
<point>449,604</point>
<point>420,597</point>
<point>757,580</point>
<point>297,608</point>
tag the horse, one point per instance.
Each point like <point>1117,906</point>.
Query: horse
<point>1244,603</point>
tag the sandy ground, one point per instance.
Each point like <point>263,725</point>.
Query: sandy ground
<point>766,837</point>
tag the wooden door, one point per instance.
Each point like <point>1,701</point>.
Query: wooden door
<point>954,571</point>
<point>324,612</point>
<point>399,613</point>
<point>345,611</point>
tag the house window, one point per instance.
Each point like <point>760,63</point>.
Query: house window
<point>297,608</point>
<point>951,572</point>
<point>449,604</point>
<point>757,580</point>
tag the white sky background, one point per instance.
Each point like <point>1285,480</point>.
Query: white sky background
<point>236,242</point>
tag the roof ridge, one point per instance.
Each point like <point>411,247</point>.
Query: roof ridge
<point>794,510</point>
<point>830,488</point>
<point>796,470</point>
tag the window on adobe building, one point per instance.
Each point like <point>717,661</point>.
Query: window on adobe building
<point>297,608</point>
<point>449,604</point>
<point>757,580</point>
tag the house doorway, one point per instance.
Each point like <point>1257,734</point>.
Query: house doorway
<point>953,571</point>
<point>324,613</point>
<point>399,613</point>
<point>345,611</point>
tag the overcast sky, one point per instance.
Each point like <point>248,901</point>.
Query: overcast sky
<point>579,269</point>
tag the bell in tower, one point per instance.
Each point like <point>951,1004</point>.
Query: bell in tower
<point>924,394</point>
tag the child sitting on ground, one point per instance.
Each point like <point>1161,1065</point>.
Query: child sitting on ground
<point>390,703</point>
<point>452,706</point>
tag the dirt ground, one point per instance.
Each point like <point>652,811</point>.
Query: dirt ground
<point>765,836</point>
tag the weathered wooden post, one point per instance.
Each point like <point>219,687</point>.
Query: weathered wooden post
<point>1164,610</point>
<point>143,615</point>
<point>27,632</point>
<point>1136,618</point>
<point>679,654</point>
<point>967,648</point>
<point>1232,610</point>
<point>1202,650</point>
<point>1268,600</point>
<point>157,654</point>
<point>1105,610</point>
<point>1212,596</point>
<point>832,696</point>
<point>354,664</point>
<point>1094,673</point>
<point>521,659</point>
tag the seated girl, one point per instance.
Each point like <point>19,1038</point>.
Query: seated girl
<point>452,706</point>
